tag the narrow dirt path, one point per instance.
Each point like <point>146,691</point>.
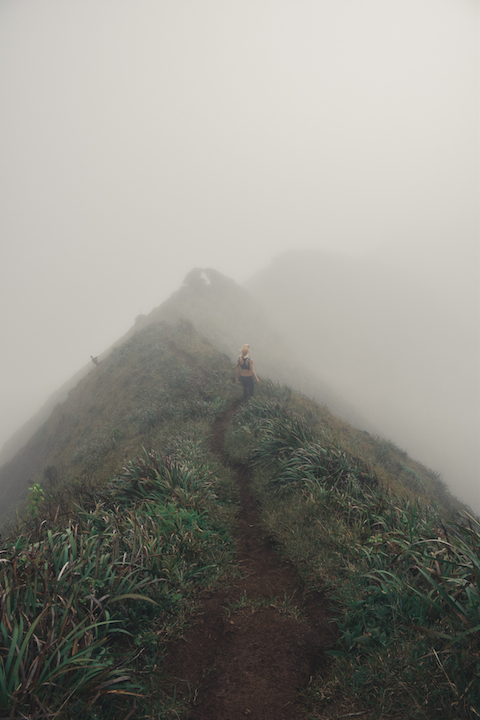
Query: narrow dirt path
<point>251,662</point>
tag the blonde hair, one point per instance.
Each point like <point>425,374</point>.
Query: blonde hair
<point>245,349</point>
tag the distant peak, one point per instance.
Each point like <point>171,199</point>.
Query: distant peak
<point>197,278</point>
<point>205,277</point>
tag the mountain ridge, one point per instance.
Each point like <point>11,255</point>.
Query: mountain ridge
<point>195,301</point>
<point>141,554</point>
<point>226,315</point>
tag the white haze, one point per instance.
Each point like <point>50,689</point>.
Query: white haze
<point>141,139</point>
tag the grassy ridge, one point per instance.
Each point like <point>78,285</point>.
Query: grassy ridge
<point>141,394</point>
<point>103,567</point>
<point>403,571</point>
<point>105,564</point>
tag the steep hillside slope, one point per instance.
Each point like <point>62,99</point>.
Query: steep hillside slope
<point>153,380</point>
<point>406,352</point>
<point>21,436</point>
<point>227,315</point>
<point>186,554</point>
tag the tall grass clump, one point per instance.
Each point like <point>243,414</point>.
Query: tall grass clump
<point>402,572</point>
<point>86,609</point>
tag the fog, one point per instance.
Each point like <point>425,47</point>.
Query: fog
<point>139,140</point>
<point>407,359</point>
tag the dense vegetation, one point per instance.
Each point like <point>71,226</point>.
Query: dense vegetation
<point>81,604</point>
<point>402,571</point>
<point>99,573</point>
<point>133,514</point>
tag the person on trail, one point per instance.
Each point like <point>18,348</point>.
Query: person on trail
<point>245,372</point>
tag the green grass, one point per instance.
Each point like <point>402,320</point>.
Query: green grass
<point>164,380</point>
<point>78,604</point>
<point>104,565</point>
<point>245,605</point>
<point>401,571</point>
<point>130,517</point>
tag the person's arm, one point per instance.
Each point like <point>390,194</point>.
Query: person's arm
<point>253,371</point>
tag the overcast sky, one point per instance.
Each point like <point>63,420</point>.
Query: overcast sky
<point>141,139</point>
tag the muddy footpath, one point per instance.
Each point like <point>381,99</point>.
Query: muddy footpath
<point>251,660</point>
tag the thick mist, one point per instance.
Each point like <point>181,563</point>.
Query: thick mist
<point>140,140</point>
<point>402,352</point>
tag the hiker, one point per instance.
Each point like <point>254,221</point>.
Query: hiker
<point>245,372</point>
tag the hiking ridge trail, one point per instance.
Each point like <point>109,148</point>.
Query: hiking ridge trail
<point>256,644</point>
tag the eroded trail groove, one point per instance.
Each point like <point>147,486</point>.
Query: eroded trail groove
<point>252,662</point>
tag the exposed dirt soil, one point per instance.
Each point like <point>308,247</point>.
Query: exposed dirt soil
<point>253,661</point>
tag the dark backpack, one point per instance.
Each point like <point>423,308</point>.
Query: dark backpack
<point>244,363</point>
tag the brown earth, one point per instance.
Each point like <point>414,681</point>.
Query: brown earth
<point>254,660</point>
